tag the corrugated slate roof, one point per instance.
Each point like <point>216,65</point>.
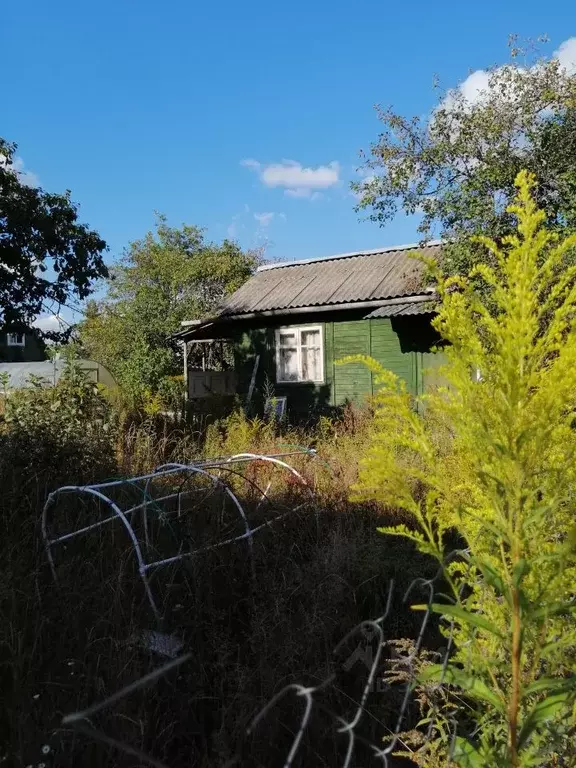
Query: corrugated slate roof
<point>405,308</point>
<point>362,276</point>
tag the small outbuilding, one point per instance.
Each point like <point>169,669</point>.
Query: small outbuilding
<point>291,321</point>
<point>50,372</point>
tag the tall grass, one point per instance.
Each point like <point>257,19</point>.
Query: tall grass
<point>67,646</point>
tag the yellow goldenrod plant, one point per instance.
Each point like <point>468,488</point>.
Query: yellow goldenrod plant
<point>491,461</point>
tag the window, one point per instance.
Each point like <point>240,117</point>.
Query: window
<point>16,340</point>
<point>299,354</point>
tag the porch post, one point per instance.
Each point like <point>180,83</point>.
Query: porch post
<point>185,371</point>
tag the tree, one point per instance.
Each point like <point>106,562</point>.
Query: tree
<point>171,275</point>
<point>46,257</point>
<point>494,458</point>
<point>457,168</point>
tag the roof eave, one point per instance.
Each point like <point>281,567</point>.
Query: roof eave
<point>224,319</point>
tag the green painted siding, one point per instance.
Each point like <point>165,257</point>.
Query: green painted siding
<point>329,360</point>
<point>33,350</point>
<point>402,346</point>
<point>352,381</point>
<point>386,348</point>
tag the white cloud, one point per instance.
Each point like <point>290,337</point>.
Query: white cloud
<point>474,89</point>
<point>295,179</point>
<point>302,192</point>
<point>50,323</point>
<point>477,85</point>
<point>264,219</point>
<point>236,225</point>
<point>566,55</point>
<point>27,178</point>
<point>254,164</point>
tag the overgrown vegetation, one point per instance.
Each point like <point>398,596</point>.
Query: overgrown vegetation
<point>47,257</point>
<point>503,479</point>
<point>317,576</point>
<point>472,485</point>
<point>172,274</point>
<point>457,166</point>
<point>51,432</point>
<point>479,481</point>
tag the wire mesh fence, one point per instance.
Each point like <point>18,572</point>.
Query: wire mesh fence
<point>385,671</point>
<point>364,653</point>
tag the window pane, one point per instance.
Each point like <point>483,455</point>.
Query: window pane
<point>287,338</point>
<point>311,366</point>
<point>288,364</point>
<point>310,338</point>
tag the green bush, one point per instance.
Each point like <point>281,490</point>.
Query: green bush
<point>62,432</point>
<point>503,479</point>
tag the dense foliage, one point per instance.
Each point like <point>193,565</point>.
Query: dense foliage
<point>452,167</point>
<point>317,575</point>
<point>502,476</point>
<point>54,430</point>
<point>173,274</point>
<point>46,257</point>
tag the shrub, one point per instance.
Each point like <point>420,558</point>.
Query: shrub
<point>63,432</point>
<point>503,478</point>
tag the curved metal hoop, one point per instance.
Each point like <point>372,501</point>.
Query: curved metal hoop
<point>100,491</point>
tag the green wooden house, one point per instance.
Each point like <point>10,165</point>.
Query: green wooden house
<point>289,324</point>
<point>21,347</point>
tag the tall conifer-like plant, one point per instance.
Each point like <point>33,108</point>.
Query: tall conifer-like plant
<point>493,459</point>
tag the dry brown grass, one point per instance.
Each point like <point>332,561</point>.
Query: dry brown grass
<point>318,574</point>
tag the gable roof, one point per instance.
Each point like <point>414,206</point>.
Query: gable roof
<point>385,282</point>
<point>352,277</point>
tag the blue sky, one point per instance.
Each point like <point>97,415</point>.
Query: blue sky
<point>143,106</point>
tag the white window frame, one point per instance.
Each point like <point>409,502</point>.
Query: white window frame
<point>12,339</point>
<point>298,329</point>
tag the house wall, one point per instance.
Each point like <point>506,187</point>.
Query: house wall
<point>32,351</point>
<point>400,344</point>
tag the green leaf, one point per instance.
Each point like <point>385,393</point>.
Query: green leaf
<point>493,578</point>
<point>554,609</point>
<point>543,711</point>
<point>456,612</point>
<point>550,684</point>
<point>467,755</point>
<point>471,685</point>
<point>521,569</point>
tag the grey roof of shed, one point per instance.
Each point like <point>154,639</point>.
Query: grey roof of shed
<point>351,277</point>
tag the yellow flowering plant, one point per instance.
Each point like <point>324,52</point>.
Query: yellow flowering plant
<point>491,458</point>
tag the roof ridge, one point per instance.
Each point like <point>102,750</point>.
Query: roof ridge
<point>370,252</point>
